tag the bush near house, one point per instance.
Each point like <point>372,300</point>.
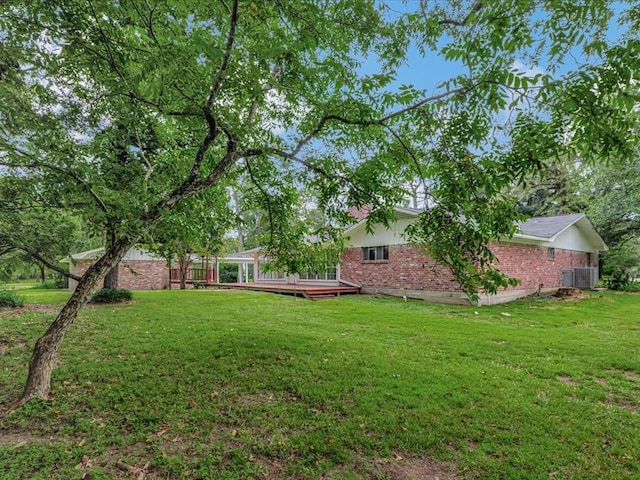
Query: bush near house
<point>112,295</point>
<point>622,282</point>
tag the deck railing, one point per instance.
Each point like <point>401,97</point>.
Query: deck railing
<point>193,275</point>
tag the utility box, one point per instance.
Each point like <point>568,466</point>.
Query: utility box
<point>583,278</point>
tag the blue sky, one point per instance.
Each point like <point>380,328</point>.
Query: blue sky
<point>427,72</point>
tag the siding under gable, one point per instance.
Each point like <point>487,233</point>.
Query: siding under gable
<point>394,235</point>
<point>573,239</point>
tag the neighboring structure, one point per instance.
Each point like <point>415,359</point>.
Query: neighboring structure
<point>138,270</point>
<point>547,253</point>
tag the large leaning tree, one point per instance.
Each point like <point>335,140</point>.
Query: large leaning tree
<point>123,109</point>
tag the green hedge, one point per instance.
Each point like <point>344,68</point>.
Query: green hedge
<point>112,295</point>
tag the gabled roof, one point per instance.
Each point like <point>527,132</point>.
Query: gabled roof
<point>401,213</point>
<point>548,227</point>
<point>133,253</point>
<point>246,256</point>
<point>537,229</point>
<point>88,255</point>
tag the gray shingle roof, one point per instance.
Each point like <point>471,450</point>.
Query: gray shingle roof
<point>547,227</point>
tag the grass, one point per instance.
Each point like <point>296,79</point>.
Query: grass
<point>20,284</point>
<point>248,385</point>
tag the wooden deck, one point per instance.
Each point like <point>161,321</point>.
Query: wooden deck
<point>311,292</point>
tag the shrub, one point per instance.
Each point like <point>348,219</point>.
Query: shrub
<point>112,295</point>
<point>618,281</point>
<point>632,286</point>
<point>622,282</point>
<point>10,298</point>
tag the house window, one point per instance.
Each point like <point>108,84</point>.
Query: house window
<point>375,254</point>
<point>551,253</point>
<point>268,274</point>
<point>271,275</point>
<point>328,274</point>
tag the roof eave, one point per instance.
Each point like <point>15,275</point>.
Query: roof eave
<point>534,238</point>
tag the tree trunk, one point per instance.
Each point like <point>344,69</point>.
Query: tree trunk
<point>111,279</point>
<point>43,274</point>
<point>183,263</point>
<point>46,348</point>
<point>240,231</point>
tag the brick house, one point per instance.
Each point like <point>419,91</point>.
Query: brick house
<point>545,254</point>
<point>138,270</point>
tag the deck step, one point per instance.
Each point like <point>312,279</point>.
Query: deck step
<point>324,296</point>
<point>310,292</point>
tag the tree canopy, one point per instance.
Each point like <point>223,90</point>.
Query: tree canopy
<point>125,109</point>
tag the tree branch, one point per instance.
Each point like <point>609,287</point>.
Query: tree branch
<point>172,113</point>
<point>381,121</point>
<point>148,22</point>
<point>48,264</point>
<point>148,165</point>
<point>424,101</point>
<point>411,153</point>
<point>321,124</point>
<point>476,7</point>
<point>5,250</point>
<point>105,42</point>
<point>39,165</point>
<point>267,198</point>
<point>225,61</point>
<point>323,172</point>
<point>225,164</point>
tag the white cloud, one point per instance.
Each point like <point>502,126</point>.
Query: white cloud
<point>521,68</point>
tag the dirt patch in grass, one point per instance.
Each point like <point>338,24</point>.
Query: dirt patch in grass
<point>18,439</point>
<point>274,468</point>
<point>566,380</point>
<point>116,468</point>
<point>626,405</point>
<point>404,467</point>
<point>568,294</point>
<point>15,312</point>
<point>631,375</point>
<point>256,399</point>
<point>6,347</point>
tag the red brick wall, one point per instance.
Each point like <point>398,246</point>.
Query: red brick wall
<point>531,265</point>
<point>137,274</point>
<point>408,269</point>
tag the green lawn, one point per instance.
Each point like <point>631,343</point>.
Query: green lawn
<point>243,385</point>
<point>20,284</point>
